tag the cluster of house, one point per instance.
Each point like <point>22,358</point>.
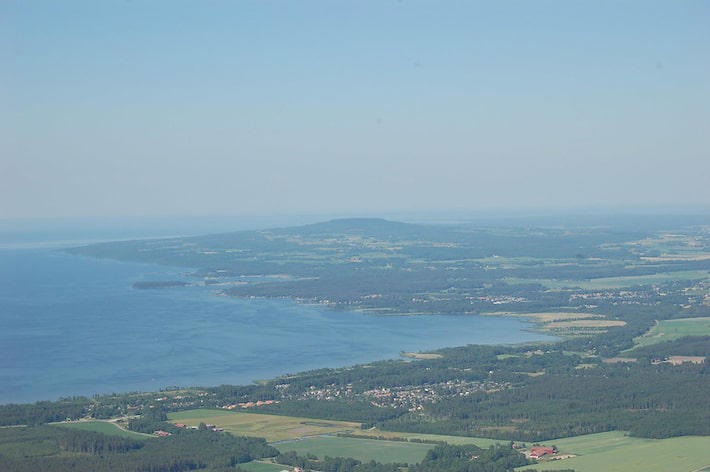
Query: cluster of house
<point>498,300</point>
<point>329,392</point>
<point>673,360</point>
<point>234,406</point>
<point>415,397</point>
<point>623,296</point>
<point>679,360</point>
<point>177,402</point>
<point>211,427</point>
<point>412,397</point>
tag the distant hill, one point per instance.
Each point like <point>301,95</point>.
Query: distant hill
<point>356,225</point>
<point>306,250</point>
<point>367,227</point>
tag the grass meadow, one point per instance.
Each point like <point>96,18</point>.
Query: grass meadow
<point>607,283</point>
<point>271,427</point>
<point>668,330</point>
<point>104,427</point>
<point>263,466</point>
<point>361,449</point>
<point>616,452</point>
<point>481,442</point>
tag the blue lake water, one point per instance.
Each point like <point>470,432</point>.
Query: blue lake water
<point>72,325</point>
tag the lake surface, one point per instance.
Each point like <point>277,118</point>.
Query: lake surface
<point>71,325</point>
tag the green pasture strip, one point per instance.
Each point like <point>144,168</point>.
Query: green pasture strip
<point>361,449</point>
<point>456,440</point>
<point>103,427</point>
<point>604,283</point>
<point>615,452</point>
<point>197,414</point>
<point>669,330</point>
<point>594,443</point>
<point>258,466</point>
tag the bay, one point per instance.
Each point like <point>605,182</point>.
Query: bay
<point>71,325</point>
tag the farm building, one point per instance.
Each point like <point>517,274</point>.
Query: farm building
<point>537,452</point>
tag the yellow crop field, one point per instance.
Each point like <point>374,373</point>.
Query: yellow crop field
<point>271,427</point>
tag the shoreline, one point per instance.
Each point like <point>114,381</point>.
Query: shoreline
<point>564,325</point>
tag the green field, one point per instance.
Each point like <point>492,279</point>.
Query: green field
<point>361,449</point>
<point>605,283</point>
<point>104,427</point>
<point>259,466</point>
<point>270,427</point>
<point>615,452</point>
<point>186,415</point>
<point>283,428</point>
<point>481,442</point>
<point>668,330</point>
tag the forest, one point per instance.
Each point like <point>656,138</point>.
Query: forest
<point>61,449</point>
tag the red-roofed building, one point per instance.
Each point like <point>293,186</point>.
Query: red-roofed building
<point>537,452</point>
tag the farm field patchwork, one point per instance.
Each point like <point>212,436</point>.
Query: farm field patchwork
<point>297,434</point>
<point>565,324</point>
<point>616,452</point>
<point>283,428</point>
<point>271,427</point>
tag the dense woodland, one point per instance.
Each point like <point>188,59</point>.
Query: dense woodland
<point>62,449</point>
<point>471,459</point>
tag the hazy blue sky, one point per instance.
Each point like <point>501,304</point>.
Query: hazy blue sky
<point>189,107</point>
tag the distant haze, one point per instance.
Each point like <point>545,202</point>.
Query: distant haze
<point>275,107</point>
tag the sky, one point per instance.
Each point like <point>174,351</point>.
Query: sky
<point>150,108</point>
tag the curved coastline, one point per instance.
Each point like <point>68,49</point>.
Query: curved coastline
<point>75,326</point>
